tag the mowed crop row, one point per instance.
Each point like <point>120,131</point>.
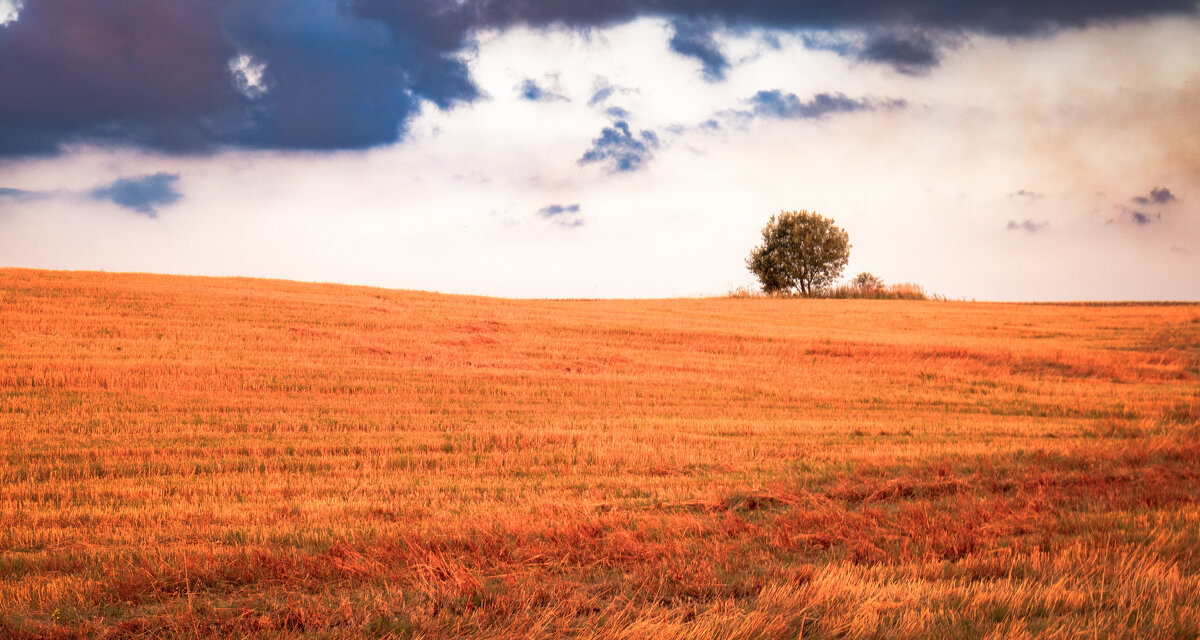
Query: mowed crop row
<point>212,457</point>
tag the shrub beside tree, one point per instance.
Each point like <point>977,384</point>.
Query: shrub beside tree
<point>801,252</point>
<point>867,282</point>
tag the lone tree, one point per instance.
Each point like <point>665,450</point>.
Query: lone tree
<point>801,251</point>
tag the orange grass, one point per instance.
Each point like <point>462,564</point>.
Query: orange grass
<point>203,457</point>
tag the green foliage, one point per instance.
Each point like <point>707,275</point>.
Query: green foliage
<point>801,252</point>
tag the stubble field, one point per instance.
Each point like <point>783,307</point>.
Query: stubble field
<point>233,458</point>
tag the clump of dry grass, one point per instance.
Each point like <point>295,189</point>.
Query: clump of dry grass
<point>197,457</point>
<point>896,291</point>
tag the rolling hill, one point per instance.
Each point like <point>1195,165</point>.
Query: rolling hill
<point>228,457</point>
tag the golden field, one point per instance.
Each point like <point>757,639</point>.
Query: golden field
<point>235,458</point>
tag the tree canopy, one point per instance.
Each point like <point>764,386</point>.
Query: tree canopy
<point>801,251</point>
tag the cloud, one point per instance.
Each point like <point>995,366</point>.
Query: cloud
<point>694,39</point>
<point>198,76</point>
<point>557,210</point>
<point>8,194</point>
<point>1006,17</point>
<point>248,75</point>
<point>912,53</point>
<point>907,50</point>
<point>1143,218</point>
<point>1023,193</point>
<point>532,91</point>
<point>826,41</point>
<point>778,104</point>
<point>620,149</point>
<point>602,92</point>
<point>1027,225</point>
<point>194,76</point>
<point>907,34</point>
<point>1157,196</point>
<point>1140,218</point>
<point>10,10</point>
<point>144,194</point>
<point>603,89</point>
<point>567,215</point>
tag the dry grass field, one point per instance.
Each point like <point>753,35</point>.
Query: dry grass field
<point>234,458</point>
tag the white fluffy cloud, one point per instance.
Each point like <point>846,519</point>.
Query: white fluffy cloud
<point>10,10</point>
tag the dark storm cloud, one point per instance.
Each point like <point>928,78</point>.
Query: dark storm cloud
<point>343,75</point>
<point>694,39</point>
<point>778,104</point>
<point>619,149</point>
<point>1009,17</point>
<point>1157,196</point>
<point>156,74</point>
<point>144,194</point>
<point>906,34</point>
<point>351,74</point>
<point>1027,225</point>
<point>138,71</point>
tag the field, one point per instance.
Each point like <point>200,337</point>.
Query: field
<point>234,458</point>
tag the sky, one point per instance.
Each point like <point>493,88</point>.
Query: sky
<point>1005,150</point>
